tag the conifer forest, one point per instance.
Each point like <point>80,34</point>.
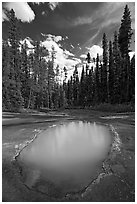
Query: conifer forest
<point>28,81</point>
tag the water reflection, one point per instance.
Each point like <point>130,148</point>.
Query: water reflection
<point>67,153</point>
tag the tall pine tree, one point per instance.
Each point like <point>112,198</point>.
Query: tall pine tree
<point>111,73</point>
<point>25,75</point>
<point>125,33</point>
<point>5,75</point>
<point>132,80</point>
<point>16,99</point>
<point>97,84</point>
<point>76,86</point>
<point>105,69</point>
<point>124,39</point>
<point>117,86</point>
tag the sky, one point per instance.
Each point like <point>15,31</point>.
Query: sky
<point>74,28</point>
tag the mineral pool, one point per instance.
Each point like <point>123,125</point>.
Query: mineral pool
<point>64,158</point>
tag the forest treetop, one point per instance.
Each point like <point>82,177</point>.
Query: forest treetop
<point>30,81</point>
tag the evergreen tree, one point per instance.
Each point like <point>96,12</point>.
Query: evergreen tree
<point>132,80</point>
<point>51,79</point>
<point>70,92</point>
<point>75,86</point>
<point>86,85</point>
<point>31,97</point>
<point>88,58</point>
<point>82,88</point>
<point>118,72</point>
<point>5,75</point>
<point>25,75</point>
<point>91,87</point>
<point>105,69</point>
<point>124,39</point>
<point>16,99</point>
<point>125,33</point>
<point>111,73</point>
<point>65,87</point>
<point>62,98</point>
<point>97,84</point>
<point>101,83</point>
<point>36,74</point>
<point>43,83</point>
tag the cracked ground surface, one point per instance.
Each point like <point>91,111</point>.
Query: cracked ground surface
<point>113,180</point>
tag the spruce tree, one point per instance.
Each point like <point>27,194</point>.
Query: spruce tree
<point>75,86</point>
<point>5,76</point>
<point>25,75</point>
<point>50,78</point>
<point>97,84</point>
<point>15,63</point>
<point>124,39</point>
<point>132,80</point>
<point>36,71</point>
<point>70,92</point>
<point>111,73</point>
<point>82,88</point>
<point>31,97</point>
<point>125,33</point>
<point>88,58</point>
<point>91,88</point>
<point>42,83</point>
<point>101,82</point>
<point>105,69</point>
<point>117,69</point>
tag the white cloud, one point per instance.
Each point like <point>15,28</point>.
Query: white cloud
<point>22,11</point>
<point>62,57</point>
<point>84,56</point>
<point>53,5</point>
<point>94,50</point>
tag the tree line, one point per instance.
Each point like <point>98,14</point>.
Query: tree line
<point>30,81</point>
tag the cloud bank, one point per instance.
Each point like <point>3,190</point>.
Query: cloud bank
<point>94,50</point>
<point>108,13</point>
<point>63,57</point>
<point>22,11</point>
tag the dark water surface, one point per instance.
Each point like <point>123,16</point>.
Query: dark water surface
<point>64,158</point>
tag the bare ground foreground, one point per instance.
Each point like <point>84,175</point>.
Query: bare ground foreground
<point>113,181</point>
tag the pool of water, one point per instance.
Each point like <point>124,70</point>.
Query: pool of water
<point>64,158</point>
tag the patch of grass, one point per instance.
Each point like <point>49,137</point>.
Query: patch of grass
<point>117,108</point>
